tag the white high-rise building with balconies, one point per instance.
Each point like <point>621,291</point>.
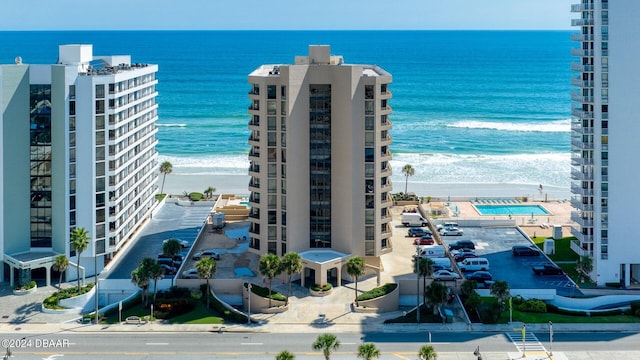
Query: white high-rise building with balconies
<point>77,149</point>
<point>605,132</point>
<point>319,162</point>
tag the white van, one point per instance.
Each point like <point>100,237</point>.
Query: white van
<point>474,264</point>
<point>431,251</point>
<point>413,219</point>
<point>447,225</point>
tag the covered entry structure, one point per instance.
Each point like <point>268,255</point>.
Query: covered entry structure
<point>321,262</point>
<point>20,265</point>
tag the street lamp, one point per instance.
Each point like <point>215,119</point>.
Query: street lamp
<point>95,269</point>
<point>550,339</point>
<point>249,308</point>
<point>417,284</point>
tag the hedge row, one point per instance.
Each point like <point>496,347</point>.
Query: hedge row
<point>264,292</point>
<point>377,292</point>
<point>222,310</point>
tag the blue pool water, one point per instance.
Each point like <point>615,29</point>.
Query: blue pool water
<point>245,203</point>
<point>511,210</point>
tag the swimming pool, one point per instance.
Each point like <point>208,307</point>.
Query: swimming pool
<point>506,209</point>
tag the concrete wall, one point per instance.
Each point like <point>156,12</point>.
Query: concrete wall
<point>389,302</point>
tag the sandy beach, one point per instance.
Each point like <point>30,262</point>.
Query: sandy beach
<point>177,184</point>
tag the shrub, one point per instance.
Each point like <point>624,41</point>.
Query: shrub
<point>195,196</point>
<point>489,313</point>
<point>532,305</point>
<point>168,308</point>
<point>160,197</point>
<point>264,292</point>
<point>377,292</point>
<point>325,287</point>
<point>196,294</point>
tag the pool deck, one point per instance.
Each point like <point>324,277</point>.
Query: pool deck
<point>560,214</point>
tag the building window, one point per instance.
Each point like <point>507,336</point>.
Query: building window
<point>368,91</point>
<point>271,91</point>
<point>271,107</point>
<point>271,138</point>
<point>369,123</point>
<point>271,154</point>
<point>272,170</point>
<point>369,217</point>
<point>100,91</point>
<point>283,123</point>
<point>271,123</point>
<point>99,106</point>
<point>272,217</point>
<point>369,138</point>
<point>368,107</point>
<point>272,186</point>
<point>72,91</point>
<point>283,92</point>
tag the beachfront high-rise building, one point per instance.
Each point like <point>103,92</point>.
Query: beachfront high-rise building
<point>605,132</point>
<point>77,149</point>
<point>319,162</point>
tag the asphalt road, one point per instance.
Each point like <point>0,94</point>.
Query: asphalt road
<point>161,346</point>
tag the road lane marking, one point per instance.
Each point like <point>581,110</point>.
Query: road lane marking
<point>157,343</point>
<point>251,343</point>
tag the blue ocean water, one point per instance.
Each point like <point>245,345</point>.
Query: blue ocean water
<point>468,106</point>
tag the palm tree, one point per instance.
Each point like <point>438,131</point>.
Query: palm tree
<point>60,265</point>
<point>437,294</point>
<point>468,287</point>
<point>165,168</point>
<point>285,355</point>
<point>206,268</point>
<point>355,268</point>
<point>291,263</point>
<point>171,247</point>
<point>156,272</point>
<point>423,267</point>
<point>327,343</point>
<point>584,266</point>
<point>140,277</point>
<point>500,289</point>
<point>427,352</point>
<point>209,191</point>
<point>270,267</point>
<point>473,302</point>
<point>407,170</point>
<point>368,351</point>
<point>79,242</point>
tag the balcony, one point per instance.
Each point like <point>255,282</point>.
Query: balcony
<point>577,203</point>
<point>254,153</point>
<point>576,66</point>
<point>579,144</point>
<point>387,186</point>
<point>580,161</point>
<point>254,170</point>
<point>576,217</point>
<point>254,123</point>
<point>385,169</point>
<point>254,186</point>
<point>582,37</point>
<point>581,7</point>
<point>575,246</point>
<point>385,155</point>
<point>254,140</point>
<point>579,175</point>
<point>575,189</point>
<point>581,52</point>
<point>255,215</point>
<point>577,81</point>
<point>579,130</point>
<point>582,114</point>
<point>385,123</point>
<point>583,99</point>
<point>254,107</point>
<point>581,22</point>
<point>385,139</point>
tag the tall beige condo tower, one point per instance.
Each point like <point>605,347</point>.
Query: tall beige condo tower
<point>605,132</point>
<point>319,162</point>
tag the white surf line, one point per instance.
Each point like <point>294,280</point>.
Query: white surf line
<point>158,343</point>
<point>252,344</point>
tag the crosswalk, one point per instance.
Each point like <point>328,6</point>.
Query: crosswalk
<point>531,344</point>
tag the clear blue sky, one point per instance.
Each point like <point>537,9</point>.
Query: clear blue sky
<point>284,14</point>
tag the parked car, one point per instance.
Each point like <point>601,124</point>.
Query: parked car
<point>462,244</point>
<point>547,269</point>
<point>441,275</point>
<point>464,255</point>
<point>190,274</point>
<point>417,231</point>
<point>168,269</point>
<point>424,240</point>
<point>183,243</point>
<point>206,253</point>
<point>177,259</point>
<point>524,250</point>
<point>437,267</point>
<point>451,231</point>
<point>480,277</point>
<point>165,261</point>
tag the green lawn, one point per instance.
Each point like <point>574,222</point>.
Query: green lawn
<point>563,248</point>
<point>136,310</point>
<point>199,315</point>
